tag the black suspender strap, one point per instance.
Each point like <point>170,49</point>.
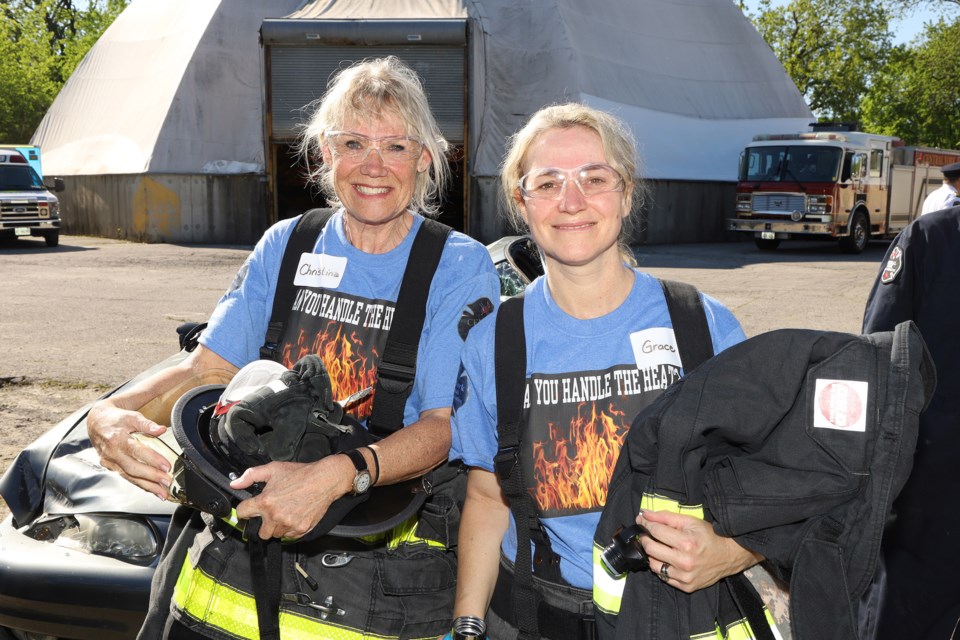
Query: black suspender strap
<point>747,604</point>
<point>264,555</point>
<point>689,323</point>
<point>301,241</point>
<point>510,366</point>
<point>398,365</point>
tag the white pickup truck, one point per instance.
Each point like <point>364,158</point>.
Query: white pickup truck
<point>27,206</point>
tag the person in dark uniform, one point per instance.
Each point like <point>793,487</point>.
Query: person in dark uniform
<point>946,196</point>
<point>920,281</point>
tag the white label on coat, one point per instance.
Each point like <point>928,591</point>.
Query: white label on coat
<point>655,347</point>
<point>320,270</point>
<point>840,404</point>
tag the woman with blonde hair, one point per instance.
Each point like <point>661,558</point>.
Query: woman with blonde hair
<point>599,346</point>
<point>383,167</point>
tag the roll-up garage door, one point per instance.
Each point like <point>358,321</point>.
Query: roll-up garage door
<point>302,55</point>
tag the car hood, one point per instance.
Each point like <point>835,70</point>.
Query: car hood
<point>60,473</point>
<point>26,195</point>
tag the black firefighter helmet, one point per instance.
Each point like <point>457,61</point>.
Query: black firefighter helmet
<point>269,413</point>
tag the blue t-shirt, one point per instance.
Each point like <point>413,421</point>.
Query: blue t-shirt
<point>586,381</point>
<point>344,306</point>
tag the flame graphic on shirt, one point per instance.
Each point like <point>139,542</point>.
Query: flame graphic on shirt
<point>573,472</point>
<point>350,366</point>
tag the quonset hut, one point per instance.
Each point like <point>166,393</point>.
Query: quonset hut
<point>178,125</point>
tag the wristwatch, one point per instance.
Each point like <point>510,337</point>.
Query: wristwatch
<point>361,482</point>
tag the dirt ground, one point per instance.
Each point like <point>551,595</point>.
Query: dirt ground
<point>27,409</point>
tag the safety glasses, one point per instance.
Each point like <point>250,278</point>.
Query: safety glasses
<point>549,183</point>
<point>355,146</point>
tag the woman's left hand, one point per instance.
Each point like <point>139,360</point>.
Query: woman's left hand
<point>296,495</point>
<point>696,557</point>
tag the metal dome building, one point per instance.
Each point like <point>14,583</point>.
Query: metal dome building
<point>178,125</point>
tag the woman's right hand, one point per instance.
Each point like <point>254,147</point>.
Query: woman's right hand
<point>111,430</point>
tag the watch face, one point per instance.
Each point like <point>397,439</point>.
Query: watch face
<point>362,482</point>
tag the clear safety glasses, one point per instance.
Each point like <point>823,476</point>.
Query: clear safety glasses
<point>549,183</point>
<point>355,146</point>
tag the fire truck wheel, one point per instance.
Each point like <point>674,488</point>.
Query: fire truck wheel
<point>766,245</point>
<point>859,234</point>
<point>52,238</point>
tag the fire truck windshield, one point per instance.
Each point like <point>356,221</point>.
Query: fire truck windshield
<point>19,177</point>
<point>796,163</point>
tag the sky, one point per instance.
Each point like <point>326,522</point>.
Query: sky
<point>906,30</point>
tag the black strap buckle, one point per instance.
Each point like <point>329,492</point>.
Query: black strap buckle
<point>395,378</point>
<point>506,461</point>
<point>271,341</point>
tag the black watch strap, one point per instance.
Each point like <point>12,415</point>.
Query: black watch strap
<point>362,481</point>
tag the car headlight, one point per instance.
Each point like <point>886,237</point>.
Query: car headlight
<point>744,203</point>
<point>129,539</point>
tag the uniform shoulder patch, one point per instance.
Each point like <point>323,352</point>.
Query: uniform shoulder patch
<point>893,267</point>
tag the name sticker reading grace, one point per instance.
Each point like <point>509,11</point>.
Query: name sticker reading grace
<point>654,347</point>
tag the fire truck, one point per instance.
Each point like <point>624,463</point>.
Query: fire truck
<point>833,182</point>
<point>27,206</point>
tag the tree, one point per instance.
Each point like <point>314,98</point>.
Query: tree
<point>909,5</point>
<point>917,96</point>
<point>41,43</point>
<point>831,49</point>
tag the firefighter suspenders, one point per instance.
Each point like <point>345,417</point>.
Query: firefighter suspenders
<point>398,365</point>
<point>510,363</point>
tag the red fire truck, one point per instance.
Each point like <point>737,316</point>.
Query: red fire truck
<point>833,182</point>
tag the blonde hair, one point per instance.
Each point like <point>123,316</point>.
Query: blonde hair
<point>376,88</point>
<point>619,149</point>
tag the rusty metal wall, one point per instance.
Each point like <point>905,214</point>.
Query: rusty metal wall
<point>200,209</point>
<point>232,209</point>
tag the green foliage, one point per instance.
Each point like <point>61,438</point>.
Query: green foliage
<point>41,43</point>
<point>840,55</point>
<point>917,96</point>
<point>831,49</point>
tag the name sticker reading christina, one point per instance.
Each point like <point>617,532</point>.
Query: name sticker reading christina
<point>840,404</point>
<point>654,347</point>
<point>320,270</point>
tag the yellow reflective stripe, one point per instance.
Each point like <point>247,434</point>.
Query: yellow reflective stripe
<point>739,630</point>
<point>235,611</point>
<point>607,589</point>
<point>654,502</point>
<point>772,624</point>
<point>403,533</point>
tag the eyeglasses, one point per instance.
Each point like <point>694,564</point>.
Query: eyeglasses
<point>356,146</point>
<point>549,183</point>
